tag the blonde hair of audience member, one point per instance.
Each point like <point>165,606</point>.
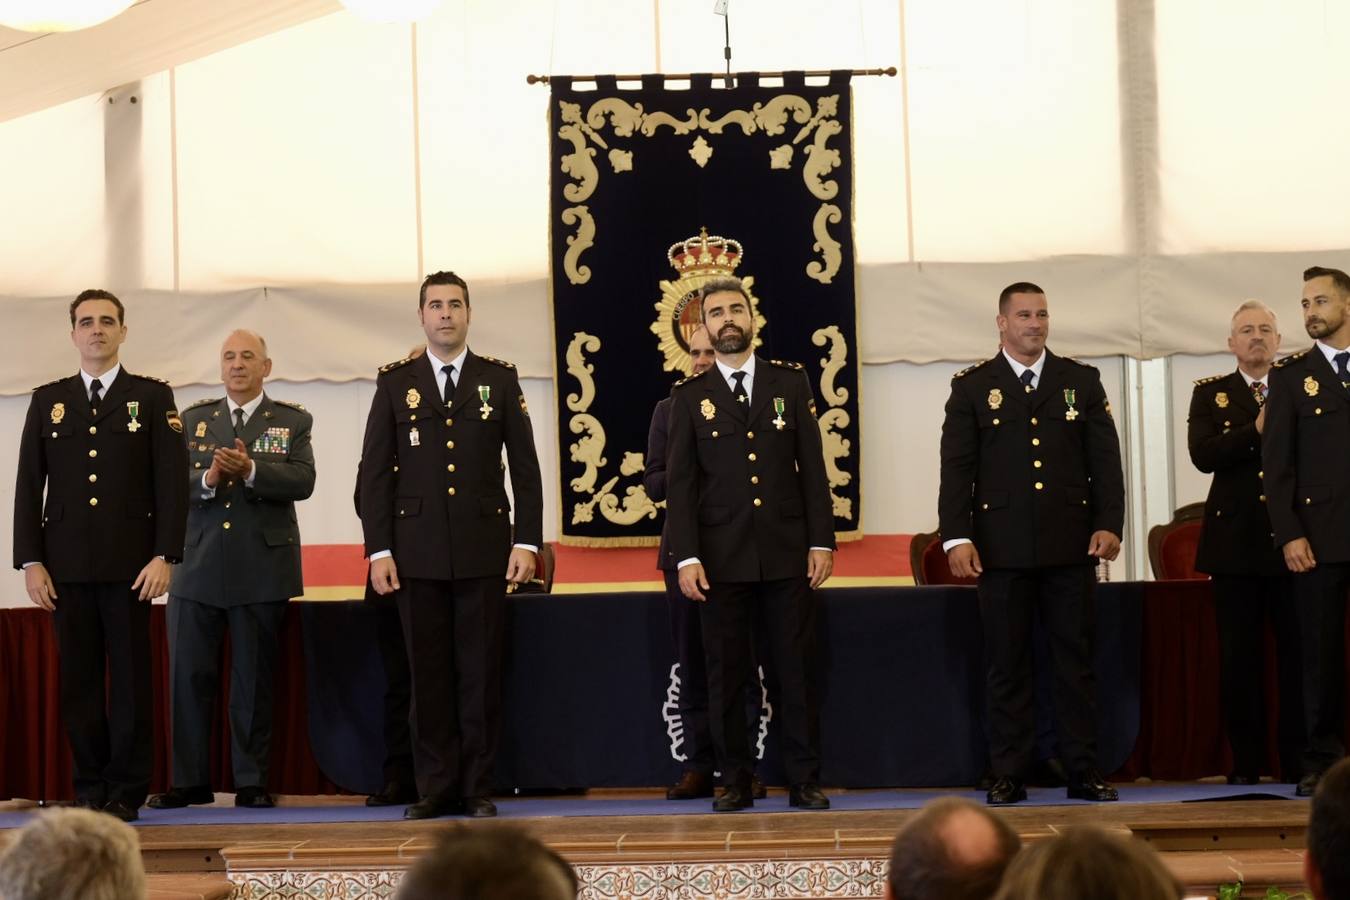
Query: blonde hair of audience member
<point>488,863</point>
<point>1089,862</point>
<point>954,849</point>
<point>73,854</point>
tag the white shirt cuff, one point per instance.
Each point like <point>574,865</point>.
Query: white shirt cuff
<point>207,491</point>
<point>31,564</point>
<point>691,561</point>
<point>954,542</point>
<point>383,554</point>
<point>530,547</point>
<point>826,549</point>
<point>252,473</point>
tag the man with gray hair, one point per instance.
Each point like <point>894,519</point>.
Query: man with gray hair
<point>954,849</point>
<point>1227,419</point>
<point>249,461</point>
<point>72,854</point>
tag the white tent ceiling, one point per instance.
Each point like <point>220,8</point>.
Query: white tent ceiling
<point>39,71</point>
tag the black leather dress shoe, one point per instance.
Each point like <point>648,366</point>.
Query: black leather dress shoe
<point>393,794</point>
<point>1243,778</point>
<point>430,808</point>
<point>1307,785</point>
<point>691,786</point>
<point>479,808</point>
<point>1006,791</point>
<point>119,810</point>
<point>807,796</point>
<point>736,796</point>
<point>757,789</point>
<point>1090,785</point>
<point>253,797</point>
<point>177,798</point>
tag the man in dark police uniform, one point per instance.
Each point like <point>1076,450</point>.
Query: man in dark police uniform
<point>1031,497</point>
<point>752,533</point>
<point>1224,433</point>
<point>108,448</point>
<point>1308,493</point>
<point>437,526</point>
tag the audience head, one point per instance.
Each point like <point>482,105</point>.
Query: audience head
<point>72,854</point>
<point>492,863</point>
<point>954,849</point>
<point>1089,862</point>
<point>1326,864</point>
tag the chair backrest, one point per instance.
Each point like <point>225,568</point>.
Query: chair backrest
<point>1172,547</point>
<point>929,563</point>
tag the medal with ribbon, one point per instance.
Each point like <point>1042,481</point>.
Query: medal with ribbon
<point>778,406</point>
<point>1070,396</point>
<point>134,411</point>
<point>485,391</point>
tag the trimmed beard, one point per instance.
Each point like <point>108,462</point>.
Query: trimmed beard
<point>732,340</point>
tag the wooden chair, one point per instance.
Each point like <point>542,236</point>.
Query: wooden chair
<point>1171,547</point>
<point>929,563</point>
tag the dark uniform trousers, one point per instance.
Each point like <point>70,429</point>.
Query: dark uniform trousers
<point>1248,572</point>
<point>1308,487</point>
<point>98,495</point>
<point>1029,477</point>
<point>748,497</point>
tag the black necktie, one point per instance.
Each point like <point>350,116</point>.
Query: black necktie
<point>1344,373</point>
<point>1027,375</point>
<point>741,395</point>
<point>238,421</point>
<point>95,393</point>
<point>449,384</point>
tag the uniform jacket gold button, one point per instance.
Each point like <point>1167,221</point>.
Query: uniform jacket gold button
<point>450,468</point>
<point>1035,421</point>
<point>226,526</point>
<point>752,457</point>
<point>451,491</point>
<point>93,429</point>
<point>714,434</point>
<point>1040,486</point>
<point>449,422</point>
<point>754,479</point>
<point>93,501</point>
<point>996,421</point>
<point>412,418</point>
<point>449,445</point>
<point>759,502</point>
<point>750,435</point>
<point>1037,463</point>
<point>1035,442</point>
<point>92,478</point>
<point>93,453</point>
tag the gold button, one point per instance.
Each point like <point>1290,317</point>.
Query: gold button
<point>984,506</point>
<point>750,435</point>
<point>754,479</point>
<point>229,484</point>
<point>93,453</point>
<point>996,421</point>
<point>449,445</point>
<point>449,422</point>
<point>714,434</point>
<point>1040,486</point>
<point>92,478</point>
<point>1035,442</point>
<point>752,457</point>
<point>1036,463</point>
<point>93,429</point>
<point>93,501</point>
<point>412,418</point>
<point>1318,411</point>
<point>196,465</point>
<point>1263,498</point>
<point>227,504</point>
<point>1227,424</point>
<point>1307,501</point>
<point>1261,474</point>
<point>227,526</point>
<point>759,502</point>
<point>53,434</point>
<point>450,468</point>
<point>395,468</point>
<point>1085,503</point>
<point>1218,514</point>
<point>452,491</point>
<point>1035,421</point>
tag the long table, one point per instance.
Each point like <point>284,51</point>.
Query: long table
<point>589,693</point>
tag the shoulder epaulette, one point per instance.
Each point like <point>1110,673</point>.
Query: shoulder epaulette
<point>1211,379</point>
<point>147,378</point>
<point>209,401</point>
<point>500,362</point>
<point>389,367</point>
<point>787,364</point>
<point>1078,362</point>
<point>289,403</point>
<point>49,384</point>
<point>968,369</point>
<point>1292,357</point>
<point>689,378</point>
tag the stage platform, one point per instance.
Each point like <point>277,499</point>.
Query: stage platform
<point>635,844</point>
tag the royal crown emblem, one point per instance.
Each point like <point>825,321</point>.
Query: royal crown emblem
<point>698,260</point>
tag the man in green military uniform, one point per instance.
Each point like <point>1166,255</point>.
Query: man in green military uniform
<point>107,447</point>
<point>250,461</point>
